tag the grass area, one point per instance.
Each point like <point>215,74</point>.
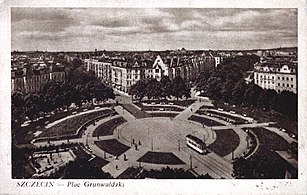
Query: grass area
<point>108,127</point>
<point>112,146</point>
<point>163,114</point>
<point>167,158</point>
<point>98,162</point>
<point>290,124</point>
<point>222,116</point>
<point>129,173</point>
<point>161,108</point>
<point>184,103</point>
<point>80,153</point>
<point>135,111</point>
<point>270,140</point>
<point>167,173</point>
<point>205,121</point>
<point>24,135</point>
<point>253,142</point>
<point>226,141</point>
<point>266,163</point>
<point>71,125</point>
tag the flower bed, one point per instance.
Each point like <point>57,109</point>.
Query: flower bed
<point>167,158</point>
<point>205,121</point>
<point>112,146</point>
<point>226,141</point>
<point>108,127</point>
<point>71,125</point>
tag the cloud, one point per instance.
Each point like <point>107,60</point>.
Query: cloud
<point>195,28</point>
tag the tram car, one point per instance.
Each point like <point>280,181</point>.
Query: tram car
<point>196,144</point>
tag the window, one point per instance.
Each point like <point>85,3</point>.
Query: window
<point>136,76</point>
<point>272,77</point>
<point>291,85</point>
<point>157,70</point>
<point>287,78</point>
<point>291,79</point>
<point>278,84</point>
<point>283,78</point>
<point>287,85</point>
<point>278,78</point>
<point>283,84</point>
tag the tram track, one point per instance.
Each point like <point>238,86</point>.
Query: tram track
<point>212,164</point>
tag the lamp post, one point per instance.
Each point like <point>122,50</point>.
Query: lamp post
<point>191,162</point>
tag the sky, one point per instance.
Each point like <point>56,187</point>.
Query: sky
<point>130,29</point>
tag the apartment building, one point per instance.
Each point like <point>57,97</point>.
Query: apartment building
<point>34,83</point>
<point>122,73</point>
<point>277,75</point>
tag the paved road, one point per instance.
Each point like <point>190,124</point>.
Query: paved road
<point>211,163</point>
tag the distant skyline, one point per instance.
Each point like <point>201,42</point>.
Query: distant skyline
<point>130,29</point>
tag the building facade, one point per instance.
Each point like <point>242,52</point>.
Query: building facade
<point>121,74</point>
<point>34,83</point>
<point>280,76</point>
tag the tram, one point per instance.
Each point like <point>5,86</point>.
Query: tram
<point>196,144</point>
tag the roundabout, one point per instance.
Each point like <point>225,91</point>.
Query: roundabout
<point>162,134</point>
<point>132,138</point>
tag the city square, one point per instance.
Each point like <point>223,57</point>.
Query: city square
<point>159,109</point>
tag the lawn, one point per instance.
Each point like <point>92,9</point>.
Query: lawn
<point>164,107</point>
<point>108,127</point>
<point>163,114</point>
<point>167,158</point>
<point>222,116</point>
<point>290,124</point>
<point>71,125</point>
<point>129,173</point>
<point>270,140</point>
<point>135,111</point>
<point>184,103</point>
<point>205,121</point>
<point>98,162</point>
<point>80,153</point>
<point>266,163</point>
<point>112,146</point>
<point>226,141</point>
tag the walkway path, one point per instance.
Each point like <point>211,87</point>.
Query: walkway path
<point>189,111</point>
<point>124,113</point>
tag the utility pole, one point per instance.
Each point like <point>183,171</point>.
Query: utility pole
<point>191,162</point>
<point>131,139</point>
<point>178,145</point>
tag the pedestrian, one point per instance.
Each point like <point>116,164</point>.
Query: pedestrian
<point>132,141</point>
<point>140,143</point>
<point>116,167</point>
<point>136,147</point>
<point>125,157</point>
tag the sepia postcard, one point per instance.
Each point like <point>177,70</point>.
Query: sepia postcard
<point>155,97</point>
